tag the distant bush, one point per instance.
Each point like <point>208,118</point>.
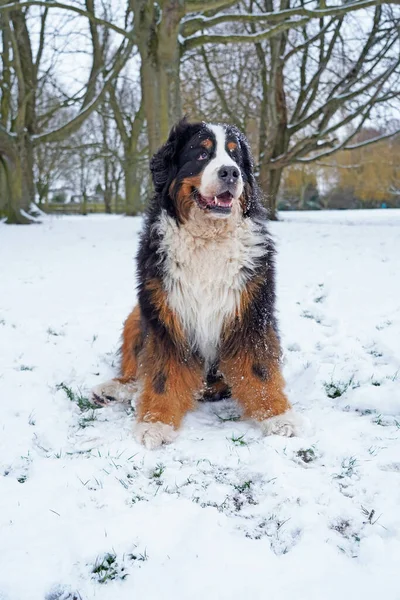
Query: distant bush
<point>59,198</point>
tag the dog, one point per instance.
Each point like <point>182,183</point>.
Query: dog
<point>205,322</point>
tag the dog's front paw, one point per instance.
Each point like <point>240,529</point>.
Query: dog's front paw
<point>153,435</point>
<point>287,424</point>
<point>112,391</point>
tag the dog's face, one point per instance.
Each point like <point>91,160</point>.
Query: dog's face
<point>209,170</point>
<point>204,166</point>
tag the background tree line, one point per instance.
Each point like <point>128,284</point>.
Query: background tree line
<point>90,89</point>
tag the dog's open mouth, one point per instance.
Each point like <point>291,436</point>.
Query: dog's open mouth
<point>221,203</point>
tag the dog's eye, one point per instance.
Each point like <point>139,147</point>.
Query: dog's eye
<point>203,155</point>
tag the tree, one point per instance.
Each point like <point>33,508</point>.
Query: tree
<point>315,78</point>
<point>167,30</point>
<point>340,82</point>
<point>129,123</point>
<point>317,85</point>
<point>299,188</point>
<point>54,162</point>
<point>20,124</point>
<point>369,174</point>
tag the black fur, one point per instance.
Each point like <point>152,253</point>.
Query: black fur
<point>159,383</point>
<point>260,371</point>
<point>171,164</point>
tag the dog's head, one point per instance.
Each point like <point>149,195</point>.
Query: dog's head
<point>207,166</point>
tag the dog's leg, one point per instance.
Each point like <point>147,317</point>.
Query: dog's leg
<point>166,396</point>
<point>257,383</point>
<point>168,387</point>
<point>122,388</point>
<point>168,374</point>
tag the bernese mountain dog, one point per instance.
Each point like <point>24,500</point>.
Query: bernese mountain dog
<point>204,325</point>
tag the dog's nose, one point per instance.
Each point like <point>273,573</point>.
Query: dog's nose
<point>228,173</point>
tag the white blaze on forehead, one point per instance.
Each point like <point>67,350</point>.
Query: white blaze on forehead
<point>209,178</point>
<point>221,155</point>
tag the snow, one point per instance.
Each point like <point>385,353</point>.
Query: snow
<point>221,513</point>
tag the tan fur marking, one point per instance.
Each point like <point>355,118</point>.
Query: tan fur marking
<point>181,383</point>
<point>167,316</point>
<point>206,143</point>
<point>182,380</point>
<point>131,341</point>
<point>184,197</point>
<point>260,399</point>
<point>247,295</point>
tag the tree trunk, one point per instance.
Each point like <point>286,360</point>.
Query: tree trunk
<point>11,186</point>
<point>16,177</point>
<point>42,188</point>
<point>84,204</point>
<point>270,181</point>
<point>133,203</point>
<point>116,194</point>
<point>276,141</point>
<point>274,137</point>
<point>27,161</point>
<point>160,66</point>
<point>25,121</point>
<point>107,166</point>
<point>107,187</point>
<point>107,201</point>
<point>133,200</point>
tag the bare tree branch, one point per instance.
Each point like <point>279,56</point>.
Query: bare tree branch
<point>373,140</point>
<point>220,93</point>
<point>203,22</point>
<point>41,41</point>
<point>197,5</point>
<point>97,55</point>
<point>5,80</point>
<point>69,7</point>
<point>246,38</point>
<point>120,58</point>
<point>310,40</point>
<point>119,119</point>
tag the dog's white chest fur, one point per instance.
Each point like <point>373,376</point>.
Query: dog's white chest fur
<point>205,258</point>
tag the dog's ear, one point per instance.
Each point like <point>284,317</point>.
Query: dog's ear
<point>162,162</point>
<point>163,165</point>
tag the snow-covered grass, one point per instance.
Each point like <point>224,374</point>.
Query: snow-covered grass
<point>223,513</point>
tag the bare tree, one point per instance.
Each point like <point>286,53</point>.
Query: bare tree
<point>22,127</point>
<point>314,79</point>
<point>337,85</point>
<point>130,124</point>
<point>320,86</point>
<point>316,87</point>
<point>166,30</point>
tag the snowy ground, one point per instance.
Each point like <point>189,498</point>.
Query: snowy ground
<point>86,513</point>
